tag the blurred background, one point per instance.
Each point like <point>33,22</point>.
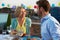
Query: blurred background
<point>7,9</point>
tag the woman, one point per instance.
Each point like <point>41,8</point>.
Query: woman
<point>20,23</point>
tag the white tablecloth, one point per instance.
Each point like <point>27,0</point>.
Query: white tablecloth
<point>8,37</point>
<point>5,37</point>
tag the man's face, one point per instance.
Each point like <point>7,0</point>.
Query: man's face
<point>39,12</point>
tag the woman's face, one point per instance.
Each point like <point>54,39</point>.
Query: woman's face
<point>22,13</point>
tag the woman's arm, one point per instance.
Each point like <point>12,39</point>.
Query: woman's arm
<point>13,23</point>
<point>13,27</point>
<point>28,25</point>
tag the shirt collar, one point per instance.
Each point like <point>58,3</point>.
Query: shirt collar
<point>45,18</point>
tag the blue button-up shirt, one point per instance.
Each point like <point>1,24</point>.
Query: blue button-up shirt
<point>50,28</point>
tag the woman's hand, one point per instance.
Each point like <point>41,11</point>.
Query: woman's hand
<point>24,35</point>
<point>21,34</point>
<point>13,32</point>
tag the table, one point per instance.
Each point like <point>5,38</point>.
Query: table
<point>5,37</point>
<point>8,37</point>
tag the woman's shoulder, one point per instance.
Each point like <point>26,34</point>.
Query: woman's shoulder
<point>28,19</point>
<point>14,19</point>
<point>28,22</point>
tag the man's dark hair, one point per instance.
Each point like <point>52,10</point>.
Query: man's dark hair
<point>43,3</point>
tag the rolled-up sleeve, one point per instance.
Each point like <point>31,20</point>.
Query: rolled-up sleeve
<point>54,28</point>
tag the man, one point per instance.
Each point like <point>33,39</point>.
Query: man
<point>50,27</point>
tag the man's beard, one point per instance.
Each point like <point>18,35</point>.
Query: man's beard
<point>40,15</point>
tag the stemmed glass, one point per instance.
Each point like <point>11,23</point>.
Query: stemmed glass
<point>9,29</point>
<point>20,33</point>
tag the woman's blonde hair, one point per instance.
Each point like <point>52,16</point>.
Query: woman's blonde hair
<point>17,11</point>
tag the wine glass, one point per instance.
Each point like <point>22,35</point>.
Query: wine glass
<point>20,33</point>
<point>4,32</point>
<point>8,29</point>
